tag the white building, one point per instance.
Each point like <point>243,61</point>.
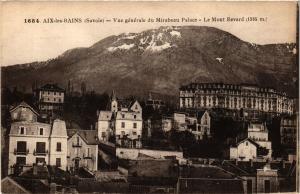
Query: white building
<point>124,120</point>
<point>83,149</point>
<point>198,124</point>
<point>33,142</point>
<point>128,128</point>
<point>245,150</point>
<point>203,125</point>
<point>105,125</point>
<point>50,98</point>
<point>258,132</point>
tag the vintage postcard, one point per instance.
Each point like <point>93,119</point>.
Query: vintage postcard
<point>149,97</point>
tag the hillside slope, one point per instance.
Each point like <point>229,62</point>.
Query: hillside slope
<point>161,60</point>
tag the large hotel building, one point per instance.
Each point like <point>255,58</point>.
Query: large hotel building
<point>235,97</point>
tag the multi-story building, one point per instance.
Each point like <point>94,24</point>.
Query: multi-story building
<point>198,123</point>
<point>83,149</point>
<point>124,121</point>
<point>203,125</point>
<point>235,97</point>
<point>128,128</point>
<point>288,131</point>
<point>50,98</point>
<point>32,142</point>
<point>105,125</point>
<point>154,103</point>
<point>258,132</point>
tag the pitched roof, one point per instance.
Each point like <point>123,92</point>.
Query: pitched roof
<point>5,189</point>
<point>89,136</point>
<point>52,87</point>
<point>32,185</point>
<point>59,128</point>
<point>250,140</point>
<point>105,116</point>
<point>25,105</point>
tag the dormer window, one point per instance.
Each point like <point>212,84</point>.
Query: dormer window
<point>22,130</point>
<point>41,131</point>
<point>123,116</point>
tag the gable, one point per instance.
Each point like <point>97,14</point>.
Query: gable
<point>24,105</point>
<point>136,106</point>
<point>8,185</point>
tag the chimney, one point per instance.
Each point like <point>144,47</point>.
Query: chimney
<point>283,163</point>
<point>91,127</point>
<point>236,162</point>
<point>98,112</point>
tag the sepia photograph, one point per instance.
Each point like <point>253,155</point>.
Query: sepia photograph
<point>149,97</point>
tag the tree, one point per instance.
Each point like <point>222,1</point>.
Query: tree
<point>83,88</point>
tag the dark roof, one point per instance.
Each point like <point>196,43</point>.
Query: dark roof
<point>51,87</point>
<point>124,103</point>
<point>153,181</point>
<point>212,172</point>
<point>244,168</point>
<point>89,136</point>
<point>41,172</point>
<point>211,186</point>
<point>32,185</point>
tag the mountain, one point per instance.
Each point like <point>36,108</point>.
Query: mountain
<point>163,59</point>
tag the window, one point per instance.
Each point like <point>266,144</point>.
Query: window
<point>21,146</point>
<point>40,160</point>
<point>134,133</point>
<point>41,131</point>
<point>87,151</point>
<point>134,116</point>
<point>59,100</point>
<point>123,116</point>
<point>40,147</point>
<point>21,160</point>
<point>54,99</point>
<point>267,186</point>
<point>54,93</point>
<point>246,143</point>
<point>134,125</point>
<point>123,124</point>
<point>58,147</point>
<point>58,162</point>
<point>22,130</point>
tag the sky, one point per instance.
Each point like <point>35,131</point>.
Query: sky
<point>27,42</point>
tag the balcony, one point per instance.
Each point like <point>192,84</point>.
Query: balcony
<point>77,144</point>
<point>21,152</point>
<point>90,156</point>
<point>40,152</point>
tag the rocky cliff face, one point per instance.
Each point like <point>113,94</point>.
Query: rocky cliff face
<point>161,60</point>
